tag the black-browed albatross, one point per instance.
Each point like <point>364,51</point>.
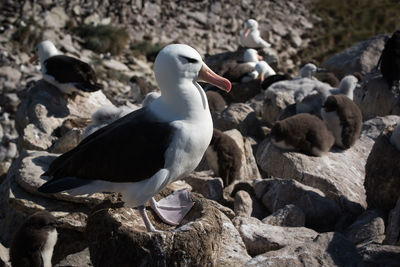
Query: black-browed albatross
<point>67,73</point>
<point>141,153</point>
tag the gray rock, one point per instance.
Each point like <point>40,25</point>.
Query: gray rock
<point>81,258</point>
<point>369,226</point>
<point>45,109</point>
<point>241,117</point>
<point>379,255</point>
<point>28,170</point>
<point>203,183</point>
<point>382,173</point>
<point>117,236</point>
<point>243,205</point>
<point>11,74</point>
<point>375,98</point>
<point>321,212</point>
<point>56,18</point>
<point>327,249</point>
<point>361,57</point>
<point>233,250</point>
<point>260,238</point>
<point>339,174</point>
<point>393,226</point>
<point>249,170</point>
<point>67,141</point>
<point>290,215</point>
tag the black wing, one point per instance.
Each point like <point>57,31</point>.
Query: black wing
<point>67,69</point>
<point>128,150</point>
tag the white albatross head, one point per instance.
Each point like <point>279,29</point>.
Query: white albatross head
<point>177,64</point>
<point>348,84</point>
<point>251,55</point>
<point>44,50</point>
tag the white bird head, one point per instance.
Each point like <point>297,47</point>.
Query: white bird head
<point>44,50</point>
<point>251,55</point>
<point>348,83</point>
<point>178,63</point>
<point>308,70</point>
<point>251,24</point>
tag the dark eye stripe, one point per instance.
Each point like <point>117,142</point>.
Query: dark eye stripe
<point>189,59</point>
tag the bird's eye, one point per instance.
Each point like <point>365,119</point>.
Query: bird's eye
<point>189,59</point>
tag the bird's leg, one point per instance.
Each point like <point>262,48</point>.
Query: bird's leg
<point>146,220</point>
<point>173,208</point>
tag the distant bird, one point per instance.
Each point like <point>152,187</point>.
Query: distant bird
<point>264,70</point>
<point>308,70</point>
<point>224,157</point>
<point>141,153</point>
<point>314,100</point>
<point>395,137</point>
<point>346,87</point>
<point>66,73</point>
<point>34,241</point>
<point>104,116</point>
<point>251,36</point>
<point>343,118</point>
<point>303,132</point>
<point>242,70</point>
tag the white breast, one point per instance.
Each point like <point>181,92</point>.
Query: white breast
<point>47,251</point>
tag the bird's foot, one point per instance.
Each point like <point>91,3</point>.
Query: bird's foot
<point>173,208</point>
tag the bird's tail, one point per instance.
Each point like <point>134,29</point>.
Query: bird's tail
<point>88,87</point>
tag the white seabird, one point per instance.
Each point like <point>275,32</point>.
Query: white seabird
<point>141,153</point>
<point>251,36</point>
<point>67,73</point>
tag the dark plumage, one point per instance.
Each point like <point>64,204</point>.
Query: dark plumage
<point>304,132</point>
<point>67,69</point>
<point>32,244</point>
<point>343,118</point>
<point>389,62</point>
<point>273,79</point>
<point>215,101</point>
<point>101,144</point>
<point>224,157</point>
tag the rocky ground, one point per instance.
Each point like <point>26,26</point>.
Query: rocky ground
<point>284,209</point>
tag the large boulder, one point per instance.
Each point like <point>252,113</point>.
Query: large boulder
<point>118,237</point>
<point>362,57</point>
<point>339,174</point>
<point>260,237</point>
<point>44,110</point>
<point>321,212</point>
<point>19,198</point>
<point>369,226</point>
<point>375,98</point>
<point>382,173</point>
<point>327,249</point>
<point>239,116</point>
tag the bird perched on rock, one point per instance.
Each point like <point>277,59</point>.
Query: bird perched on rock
<point>34,241</point>
<point>251,36</point>
<point>395,137</point>
<point>303,132</point>
<point>67,73</point>
<point>224,157</point>
<point>142,152</point>
<point>343,118</point>
<point>311,99</point>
